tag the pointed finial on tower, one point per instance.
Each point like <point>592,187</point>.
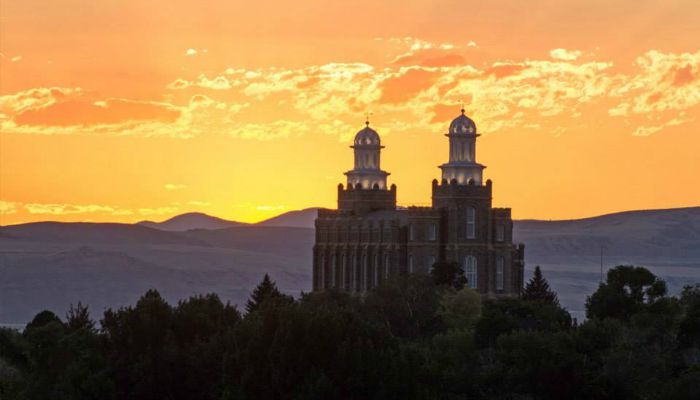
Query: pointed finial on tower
<point>367,114</point>
<point>462,110</point>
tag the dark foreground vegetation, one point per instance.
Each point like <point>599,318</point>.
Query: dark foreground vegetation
<point>418,337</point>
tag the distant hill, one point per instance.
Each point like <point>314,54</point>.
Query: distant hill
<point>49,265</point>
<point>91,233</point>
<point>674,232</point>
<point>301,219</point>
<point>193,220</point>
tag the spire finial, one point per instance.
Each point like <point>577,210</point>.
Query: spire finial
<point>462,110</point>
<point>367,114</point>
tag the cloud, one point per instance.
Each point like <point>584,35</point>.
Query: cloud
<point>65,209</point>
<point>665,82</point>
<point>419,90</point>
<point>565,55</point>
<point>174,186</point>
<point>191,52</point>
<point>36,99</point>
<point>219,82</point>
<point>407,83</point>
<point>663,89</point>
<point>427,54</point>
<point>8,207</point>
<point>86,112</point>
<point>646,130</point>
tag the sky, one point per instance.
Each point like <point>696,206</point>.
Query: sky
<point>123,110</point>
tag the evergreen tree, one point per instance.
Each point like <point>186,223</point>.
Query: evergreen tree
<point>265,291</point>
<point>78,317</point>
<point>537,290</point>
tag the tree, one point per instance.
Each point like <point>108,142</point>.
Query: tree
<point>78,317</point>
<point>448,273</point>
<point>265,291</point>
<point>537,290</point>
<point>689,329</point>
<point>460,309</point>
<point>626,291</point>
<point>503,316</point>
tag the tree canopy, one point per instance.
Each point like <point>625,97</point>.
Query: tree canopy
<point>410,338</point>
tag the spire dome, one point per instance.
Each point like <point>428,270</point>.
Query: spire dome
<point>367,137</point>
<point>462,125</point>
<point>367,149</point>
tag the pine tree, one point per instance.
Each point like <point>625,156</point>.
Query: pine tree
<point>266,290</point>
<point>537,290</point>
<point>78,317</point>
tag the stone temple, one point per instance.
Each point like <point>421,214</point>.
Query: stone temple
<point>368,239</point>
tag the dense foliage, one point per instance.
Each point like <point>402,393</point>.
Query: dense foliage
<point>416,337</point>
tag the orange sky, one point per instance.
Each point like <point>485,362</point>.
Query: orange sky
<point>128,110</point>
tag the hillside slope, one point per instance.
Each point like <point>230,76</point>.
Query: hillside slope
<point>51,265</point>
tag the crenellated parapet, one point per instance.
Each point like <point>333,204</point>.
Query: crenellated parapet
<point>451,194</point>
<point>359,200</point>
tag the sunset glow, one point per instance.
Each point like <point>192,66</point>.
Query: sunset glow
<point>130,110</point>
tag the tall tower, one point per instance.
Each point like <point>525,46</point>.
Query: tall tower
<point>367,188</point>
<point>462,166</point>
<point>462,194</point>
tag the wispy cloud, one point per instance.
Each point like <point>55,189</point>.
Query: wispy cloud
<point>8,207</point>
<point>65,209</point>
<point>424,83</point>
<point>60,209</point>
<point>565,55</point>
<point>174,186</point>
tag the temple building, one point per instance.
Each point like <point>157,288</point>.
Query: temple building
<point>368,239</point>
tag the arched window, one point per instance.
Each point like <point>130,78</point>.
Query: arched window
<point>410,264</point>
<point>471,223</point>
<point>500,266</point>
<point>470,271</point>
<point>411,232</point>
<point>433,259</point>
<point>500,233</point>
<point>432,232</point>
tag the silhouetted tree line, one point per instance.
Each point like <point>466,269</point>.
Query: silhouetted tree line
<point>415,337</point>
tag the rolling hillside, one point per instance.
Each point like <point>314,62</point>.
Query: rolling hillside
<point>51,265</point>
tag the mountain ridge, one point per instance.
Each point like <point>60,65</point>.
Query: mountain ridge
<point>49,265</point>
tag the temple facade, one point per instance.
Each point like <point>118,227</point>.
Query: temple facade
<point>368,239</point>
